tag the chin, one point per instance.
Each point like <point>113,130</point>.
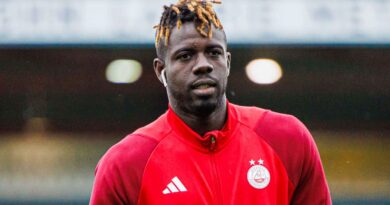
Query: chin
<point>204,108</point>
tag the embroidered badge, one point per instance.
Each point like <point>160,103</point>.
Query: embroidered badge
<point>258,175</point>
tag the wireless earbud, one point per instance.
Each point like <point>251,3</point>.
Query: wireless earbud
<point>163,78</point>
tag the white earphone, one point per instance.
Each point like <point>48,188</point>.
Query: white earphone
<point>163,78</point>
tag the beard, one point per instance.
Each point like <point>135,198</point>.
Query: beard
<point>203,108</point>
<point>200,106</point>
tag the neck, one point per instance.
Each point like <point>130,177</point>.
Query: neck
<point>202,124</point>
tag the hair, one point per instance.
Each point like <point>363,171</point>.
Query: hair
<point>200,12</point>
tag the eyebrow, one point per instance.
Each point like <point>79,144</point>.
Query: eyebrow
<point>214,46</point>
<point>182,49</point>
<point>192,48</point>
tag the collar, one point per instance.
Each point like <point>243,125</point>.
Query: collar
<point>212,141</point>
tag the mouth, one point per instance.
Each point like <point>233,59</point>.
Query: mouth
<point>204,87</point>
<point>203,84</point>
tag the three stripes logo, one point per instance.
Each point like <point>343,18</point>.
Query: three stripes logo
<point>174,186</point>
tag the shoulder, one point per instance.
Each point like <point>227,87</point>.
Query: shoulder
<point>285,134</point>
<point>247,115</point>
<point>282,128</point>
<point>274,126</point>
<point>119,172</point>
<point>132,148</point>
<point>296,148</point>
<point>136,147</point>
<point>265,120</point>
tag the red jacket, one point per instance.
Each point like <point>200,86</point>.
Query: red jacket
<point>259,157</point>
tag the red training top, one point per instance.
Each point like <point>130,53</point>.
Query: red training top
<point>259,157</point>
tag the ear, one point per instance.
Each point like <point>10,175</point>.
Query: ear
<point>229,58</point>
<point>158,66</point>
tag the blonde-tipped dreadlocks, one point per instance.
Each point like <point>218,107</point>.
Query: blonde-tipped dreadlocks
<point>199,11</point>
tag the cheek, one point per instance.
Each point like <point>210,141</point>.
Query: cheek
<point>224,70</point>
<point>178,79</point>
<point>180,71</point>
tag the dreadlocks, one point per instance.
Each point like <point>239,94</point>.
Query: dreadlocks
<point>200,12</point>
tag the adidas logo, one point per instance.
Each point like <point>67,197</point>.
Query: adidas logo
<point>174,186</point>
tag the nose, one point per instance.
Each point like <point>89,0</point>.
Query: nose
<point>202,65</point>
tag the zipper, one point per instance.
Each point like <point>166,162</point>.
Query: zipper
<point>213,143</point>
<point>215,171</point>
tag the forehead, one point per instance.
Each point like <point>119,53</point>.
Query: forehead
<point>188,36</point>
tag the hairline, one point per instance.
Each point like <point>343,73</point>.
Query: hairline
<point>161,49</point>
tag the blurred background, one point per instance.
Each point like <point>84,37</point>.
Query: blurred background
<point>76,76</point>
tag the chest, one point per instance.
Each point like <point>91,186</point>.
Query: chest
<point>245,171</point>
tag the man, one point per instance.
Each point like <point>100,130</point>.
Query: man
<point>205,150</point>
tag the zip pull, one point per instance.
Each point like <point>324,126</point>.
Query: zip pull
<point>213,143</point>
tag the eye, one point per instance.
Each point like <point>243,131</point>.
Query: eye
<point>184,56</point>
<point>215,53</point>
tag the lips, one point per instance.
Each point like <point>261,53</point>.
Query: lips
<point>204,87</point>
<point>203,84</point>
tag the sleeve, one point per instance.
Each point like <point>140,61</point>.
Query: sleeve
<point>107,188</point>
<point>311,188</point>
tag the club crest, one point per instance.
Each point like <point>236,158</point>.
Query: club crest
<point>258,175</point>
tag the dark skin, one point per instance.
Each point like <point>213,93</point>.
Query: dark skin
<point>196,70</point>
